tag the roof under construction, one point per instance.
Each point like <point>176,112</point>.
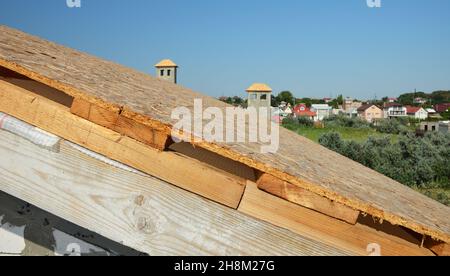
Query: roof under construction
<point>126,115</point>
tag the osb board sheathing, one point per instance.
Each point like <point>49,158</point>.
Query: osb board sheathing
<point>150,101</point>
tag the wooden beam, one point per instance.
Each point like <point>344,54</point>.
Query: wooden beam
<point>439,248</point>
<point>142,133</point>
<point>306,199</point>
<point>138,211</point>
<point>81,108</point>
<point>96,114</point>
<point>309,223</point>
<point>185,172</point>
<point>114,120</point>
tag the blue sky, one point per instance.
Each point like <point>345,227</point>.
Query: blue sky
<point>314,48</point>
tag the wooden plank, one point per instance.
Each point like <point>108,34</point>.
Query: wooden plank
<point>306,222</point>
<point>151,101</point>
<point>306,199</point>
<point>81,108</point>
<point>175,168</point>
<point>141,212</point>
<point>96,114</point>
<point>43,90</point>
<point>439,248</point>
<point>142,133</point>
<point>119,123</point>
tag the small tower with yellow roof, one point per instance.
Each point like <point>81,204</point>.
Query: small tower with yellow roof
<point>167,70</point>
<point>259,95</point>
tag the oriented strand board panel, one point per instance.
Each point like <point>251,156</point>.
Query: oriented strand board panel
<point>141,212</point>
<point>150,101</point>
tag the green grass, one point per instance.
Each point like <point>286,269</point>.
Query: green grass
<point>355,134</point>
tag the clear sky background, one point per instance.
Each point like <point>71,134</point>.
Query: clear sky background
<point>314,48</point>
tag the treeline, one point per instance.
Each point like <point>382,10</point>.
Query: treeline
<point>236,101</point>
<point>418,162</point>
<point>434,98</point>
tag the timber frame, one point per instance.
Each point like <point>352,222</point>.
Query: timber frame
<point>253,185</point>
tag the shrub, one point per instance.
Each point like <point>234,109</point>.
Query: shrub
<point>333,141</point>
<point>414,161</point>
<point>344,121</point>
<point>305,121</point>
<point>392,126</point>
<point>300,121</point>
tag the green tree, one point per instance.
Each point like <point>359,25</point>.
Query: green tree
<point>446,114</point>
<point>340,100</point>
<point>286,96</point>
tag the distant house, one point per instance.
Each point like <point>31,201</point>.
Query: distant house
<point>322,111</point>
<point>433,113</point>
<point>420,101</point>
<point>351,105</point>
<point>283,111</point>
<point>337,111</point>
<point>444,127</point>
<point>416,112</point>
<point>288,110</point>
<point>351,112</point>
<point>441,108</point>
<point>392,100</point>
<point>429,126</point>
<point>394,110</point>
<point>327,100</point>
<point>370,112</point>
<point>301,110</point>
<point>430,111</point>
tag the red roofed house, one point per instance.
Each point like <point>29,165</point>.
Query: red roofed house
<point>417,112</point>
<point>301,110</point>
<point>441,108</point>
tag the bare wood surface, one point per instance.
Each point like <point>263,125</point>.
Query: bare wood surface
<point>439,248</point>
<point>172,167</point>
<point>141,212</point>
<point>306,199</point>
<point>150,101</point>
<point>306,222</point>
<point>115,121</point>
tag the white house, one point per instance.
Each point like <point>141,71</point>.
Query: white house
<point>420,101</point>
<point>322,110</point>
<point>417,112</point>
<point>394,110</point>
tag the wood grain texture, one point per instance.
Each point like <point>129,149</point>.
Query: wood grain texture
<point>115,121</point>
<point>172,167</point>
<point>138,211</point>
<point>306,222</point>
<point>439,248</point>
<point>150,101</point>
<point>306,199</point>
